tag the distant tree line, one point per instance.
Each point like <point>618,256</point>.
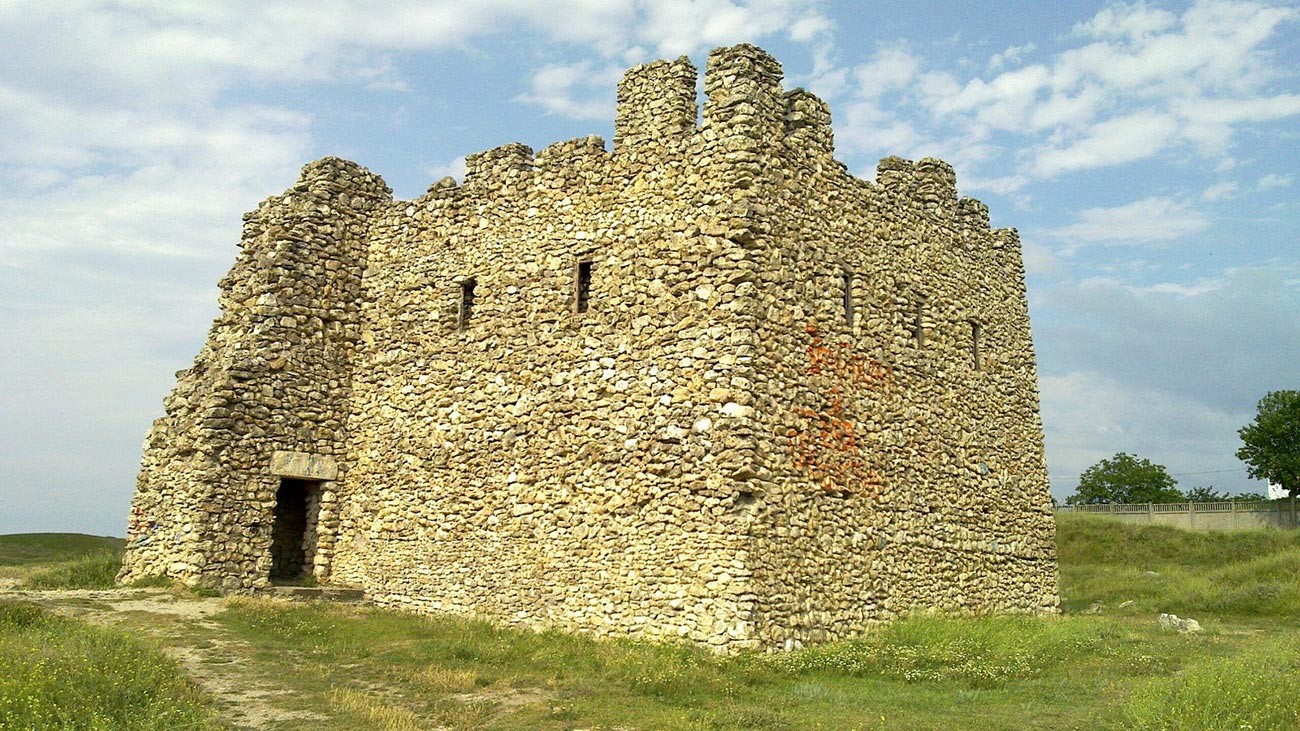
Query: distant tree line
<point>1271,451</point>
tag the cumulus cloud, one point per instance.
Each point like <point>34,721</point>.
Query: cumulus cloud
<point>1011,55</point>
<point>577,91</point>
<point>889,70</point>
<point>675,27</point>
<point>454,168</point>
<point>1126,21</point>
<point>1130,83</point>
<point>1273,180</point>
<point>1225,190</point>
<point>1155,219</point>
<point>1115,141</point>
<point>1169,370</point>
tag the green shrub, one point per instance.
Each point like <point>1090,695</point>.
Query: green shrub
<point>56,673</point>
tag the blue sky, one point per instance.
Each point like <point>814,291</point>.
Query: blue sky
<point>1148,154</point>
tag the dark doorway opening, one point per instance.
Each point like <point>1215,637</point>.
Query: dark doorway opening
<point>293,536</point>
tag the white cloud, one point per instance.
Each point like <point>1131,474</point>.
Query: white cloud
<point>577,91</point>
<point>890,69</point>
<point>1273,180</point>
<point>1011,55</point>
<point>1223,191</point>
<point>1131,21</point>
<point>1039,260</point>
<point>1151,220</point>
<point>1138,82</point>
<point>809,27</point>
<point>1003,102</point>
<point>1068,110</point>
<point>454,169</point>
<point>1115,141</point>
<point>867,129</point>
<point>675,27</point>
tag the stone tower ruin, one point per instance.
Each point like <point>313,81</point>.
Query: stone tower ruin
<point>705,385</point>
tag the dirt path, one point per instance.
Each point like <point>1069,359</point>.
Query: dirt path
<point>220,663</point>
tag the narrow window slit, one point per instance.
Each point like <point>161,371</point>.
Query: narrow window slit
<point>976,330</point>
<point>918,326</point>
<point>466,302</point>
<point>582,285</point>
<point>846,279</point>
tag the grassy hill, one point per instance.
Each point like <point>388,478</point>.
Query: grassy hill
<point>60,560</point>
<point>20,549</point>
<point>1221,575</point>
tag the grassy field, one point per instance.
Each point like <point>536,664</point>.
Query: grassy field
<point>57,673</point>
<point>60,560</point>
<point>22,549</point>
<point>354,668</point>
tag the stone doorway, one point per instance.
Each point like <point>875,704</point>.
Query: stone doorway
<point>293,533</point>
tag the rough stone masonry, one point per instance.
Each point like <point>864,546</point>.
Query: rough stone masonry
<point>705,385</point>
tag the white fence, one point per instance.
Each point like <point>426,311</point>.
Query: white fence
<point>1228,515</point>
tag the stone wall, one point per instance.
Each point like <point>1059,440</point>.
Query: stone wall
<point>900,449</point>
<point>274,375</point>
<point>676,389</point>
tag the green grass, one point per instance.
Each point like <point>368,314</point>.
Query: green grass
<point>1115,670</point>
<point>21,549</point>
<point>373,669</point>
<point>1219,575</point>
<point>922,673</point>
<point>60,560</point>
<point>57,673</point>
<point>1254,690</point>
<point>96,570</point>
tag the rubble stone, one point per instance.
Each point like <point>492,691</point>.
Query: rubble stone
<point>706,385</point>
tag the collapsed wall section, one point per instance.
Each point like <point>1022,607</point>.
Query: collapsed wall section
<point>266,399</point>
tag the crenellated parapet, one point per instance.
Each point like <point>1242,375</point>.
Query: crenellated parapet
<point>656,104</point>
<point>580,161</point>
<point>808,124</point>
<point>973,213</point>
<point>936,187</point>
<point>897,178</point>
<point>742,85</point>
<point>500,170</point>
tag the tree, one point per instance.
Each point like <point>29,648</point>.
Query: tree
<point>1207,495</point>
<point>1125,478</point>
<point>1271,442</point>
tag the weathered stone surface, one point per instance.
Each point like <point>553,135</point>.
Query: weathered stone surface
<point>304,466</point>
<point>1174,623</point>
<point>705,386</point>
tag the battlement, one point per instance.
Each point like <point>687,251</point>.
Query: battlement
<point>499,168</point>
<point>656,102</point>
<point>808,123</point>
